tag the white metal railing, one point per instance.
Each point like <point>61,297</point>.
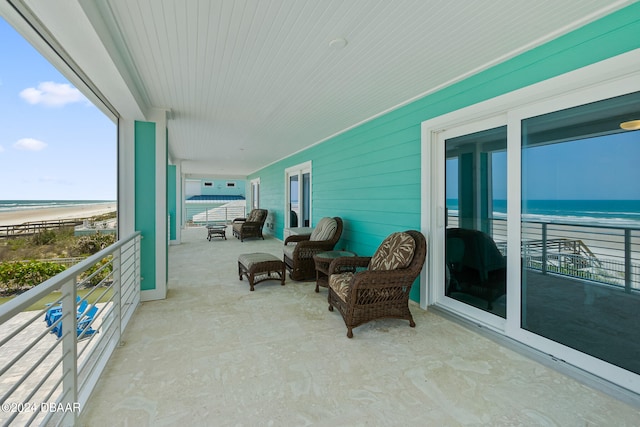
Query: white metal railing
<point>203,215</point>
<point>605,254</point>
<point>600,253</point>
<point>46,378</point>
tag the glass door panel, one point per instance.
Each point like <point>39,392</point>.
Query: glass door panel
<point>294,201</point>
<point>255,194</point>
<point>475,241</point>
<point>298,201</point>
<point>580,229</point>
<point>305,196</point>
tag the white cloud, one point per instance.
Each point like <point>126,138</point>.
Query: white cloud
<point>52,94</point>
<point>30,144</point>
<point>54,180</point>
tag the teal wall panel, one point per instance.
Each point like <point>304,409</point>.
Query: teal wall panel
<point>370,175</point>
<point>219,187</point>
<point>169,186</point>
<point>145,200</point>
<point>171,200</point>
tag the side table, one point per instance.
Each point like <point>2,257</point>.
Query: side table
<point>216,230</point>
<point>323,261</point>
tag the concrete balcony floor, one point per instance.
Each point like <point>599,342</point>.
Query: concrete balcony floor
<point>214,353</point>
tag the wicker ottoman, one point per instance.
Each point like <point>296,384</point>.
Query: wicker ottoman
<point>257,267</point>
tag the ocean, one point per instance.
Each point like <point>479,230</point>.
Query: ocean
<point>611,212</point>
<point>614,212</point>
<point>19,205</point>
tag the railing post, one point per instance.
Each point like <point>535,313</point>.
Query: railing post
<point>627,260</point>
<point>544,248</point>
<point>138,275</point>
<point>69,350</point>
<point>117,291</point>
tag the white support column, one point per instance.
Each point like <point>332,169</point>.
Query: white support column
<point>179,202</point>
<point>126,177</point>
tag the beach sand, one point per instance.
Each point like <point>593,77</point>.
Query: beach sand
<point>48,214</point>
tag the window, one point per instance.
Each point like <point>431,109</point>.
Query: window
<point>49,116</point>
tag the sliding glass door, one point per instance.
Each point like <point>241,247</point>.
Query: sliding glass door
<point>533,212</point>
<point>298,196</point>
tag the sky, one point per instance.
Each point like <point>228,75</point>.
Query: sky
<point>54,143</point>
<point>599,168</point>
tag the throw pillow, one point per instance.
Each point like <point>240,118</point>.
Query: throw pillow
<point>396,251</point>
<point>325,229</point>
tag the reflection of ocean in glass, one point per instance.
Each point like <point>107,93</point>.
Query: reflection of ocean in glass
<point>583,211</point>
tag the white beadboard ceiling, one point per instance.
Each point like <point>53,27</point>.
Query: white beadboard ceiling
<point>249,82</point>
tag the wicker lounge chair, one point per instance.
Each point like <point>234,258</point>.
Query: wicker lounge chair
<point>382,290</point>
<point>251,226</point>
<point>300,249</point>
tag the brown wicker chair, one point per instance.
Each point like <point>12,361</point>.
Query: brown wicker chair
<point>300,249</point>
<point>382,290</point>
<point>251,226</point>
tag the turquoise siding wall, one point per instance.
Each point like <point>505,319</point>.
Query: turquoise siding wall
<point>145,200</point>
<point>370,175</point>
<point>219,187</point>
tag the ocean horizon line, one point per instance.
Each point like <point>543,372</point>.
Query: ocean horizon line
<point>590,211</point>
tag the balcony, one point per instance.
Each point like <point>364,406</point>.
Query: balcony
<point>49,369</point>
<point>214,352</point>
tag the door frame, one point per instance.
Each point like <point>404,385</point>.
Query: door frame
<point>298,170</point>
<point>434,158</point>
<point>254,191</point>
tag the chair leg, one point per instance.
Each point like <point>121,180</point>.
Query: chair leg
<point>349,332</point>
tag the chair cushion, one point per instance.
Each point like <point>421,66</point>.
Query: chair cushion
<point>396,251</point>
<point>249,260</point>
<point>288,250</point>
<point>325,229</point>
<point>254,215</point>
<point>340,284</point>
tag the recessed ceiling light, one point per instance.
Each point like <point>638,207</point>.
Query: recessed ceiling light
<point>337,43</point>
<point>631,125</point>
